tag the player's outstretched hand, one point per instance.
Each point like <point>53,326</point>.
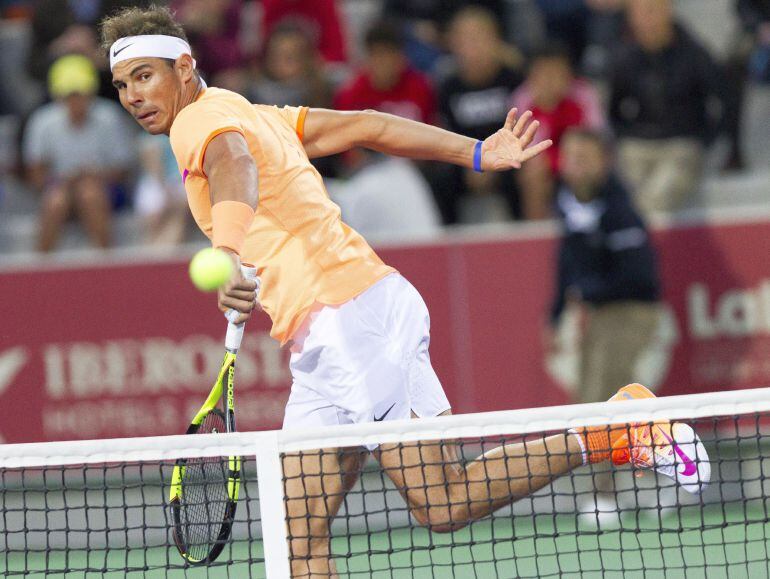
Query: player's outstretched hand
<point>512,145</point>
<point>239,294</point>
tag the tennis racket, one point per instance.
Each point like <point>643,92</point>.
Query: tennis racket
<point>204,490</point>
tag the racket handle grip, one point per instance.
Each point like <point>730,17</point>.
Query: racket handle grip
<point>234,334</point>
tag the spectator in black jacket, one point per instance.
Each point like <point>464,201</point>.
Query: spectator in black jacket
<point>472,101</point>
<point>666,105</point>
<point>425,21</point>
<point>607,267</point>
<point>748,60</point>
<point>61,27</point>
<point>755,15</point>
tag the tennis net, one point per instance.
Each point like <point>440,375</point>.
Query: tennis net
<point>101,508</point>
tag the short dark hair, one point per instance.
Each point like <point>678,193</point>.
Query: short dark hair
<point>136,21</point>
<point>385,33</point>
<point>552,49</point>
<point>601,138</point>
<point>482,14</point>
<point>295,28</point>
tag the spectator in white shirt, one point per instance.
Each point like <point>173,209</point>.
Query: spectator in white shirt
<point>386,199</point>
<point>76,149</point>
<point>160,200</point>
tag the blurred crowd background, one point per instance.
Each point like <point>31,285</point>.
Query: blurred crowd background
<point>680,89</point>
<point>633,250</point>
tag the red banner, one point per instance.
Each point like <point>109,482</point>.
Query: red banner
<point>116,350</point>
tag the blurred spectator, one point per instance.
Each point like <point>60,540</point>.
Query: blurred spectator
<point>566,20</point>
<point>755,18</point>
<point>56,31</point>
<point>61,27</point>
<point>15,9</point>
<point>437,12</point>
<point>160,199</point>
<point>322,17</point>
<point>75,149</point>
<point>604,28</point>
<point>606,266</point>
<point>292,73</point>
<point>474,101</point>
<point>19,94</point>
<point>558,101</point>
<point>588,27</point>
<point>386,198</point>
<point>386,82</point>
<point>213,28</point>
<point>666,104</point>
<point>425,22</point>
<point>749,61</point>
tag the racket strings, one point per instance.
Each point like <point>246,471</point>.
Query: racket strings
<point>204,499</point>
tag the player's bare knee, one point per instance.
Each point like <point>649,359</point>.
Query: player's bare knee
<point>91,195</point>
<point>440,519</point>
<point>56,203</point>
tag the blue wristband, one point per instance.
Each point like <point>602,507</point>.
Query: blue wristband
<point>477,157</point>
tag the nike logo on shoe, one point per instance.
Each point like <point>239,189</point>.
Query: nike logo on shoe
<point>689,466</point>
<point>116,52</point>
<point>660,454</point>
<point>381,418</point>
<point>657,446</point>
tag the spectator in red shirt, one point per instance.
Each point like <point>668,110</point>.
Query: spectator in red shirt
<point>292,71</point>
<point>558,101</point>
<point>321,16</point>
<point>387,82</point>
<point>213,27</point>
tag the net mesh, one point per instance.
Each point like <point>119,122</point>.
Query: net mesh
<point>594,521</point>
<point>108,514</point>
<point>111,520</point>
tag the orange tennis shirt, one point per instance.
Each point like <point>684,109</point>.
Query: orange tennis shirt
<point>303,252</point>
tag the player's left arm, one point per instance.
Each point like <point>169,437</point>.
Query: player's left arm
<point>328,132</point>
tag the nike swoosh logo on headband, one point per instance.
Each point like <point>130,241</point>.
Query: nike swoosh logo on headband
<point>116,52</point>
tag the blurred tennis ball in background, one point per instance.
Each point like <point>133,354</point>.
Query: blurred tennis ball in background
<point>210,269</point>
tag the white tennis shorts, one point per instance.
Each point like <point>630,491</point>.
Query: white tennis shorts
<point>365,360</point>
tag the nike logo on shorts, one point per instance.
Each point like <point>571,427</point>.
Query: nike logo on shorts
<point>381,418</point>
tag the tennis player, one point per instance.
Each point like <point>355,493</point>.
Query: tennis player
<point>358,330</point>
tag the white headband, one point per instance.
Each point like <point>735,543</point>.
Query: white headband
<point>148,45</point>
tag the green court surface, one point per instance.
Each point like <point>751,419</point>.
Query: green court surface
<point>714,540</point>
<point>737,538</point>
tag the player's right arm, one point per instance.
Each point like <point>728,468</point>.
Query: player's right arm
<point>233,185</point>
<point>328,132</point>
<point>231,170</point>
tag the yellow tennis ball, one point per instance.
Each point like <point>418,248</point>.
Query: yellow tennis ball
<point>210,269</point>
